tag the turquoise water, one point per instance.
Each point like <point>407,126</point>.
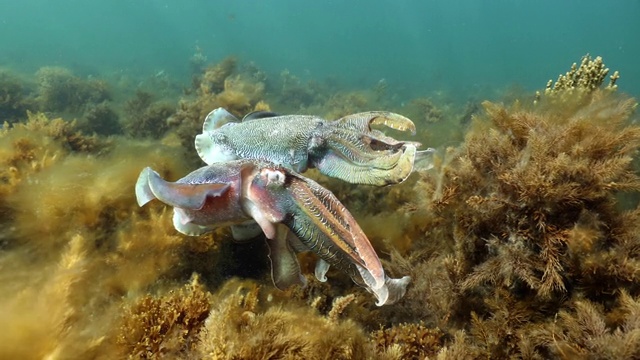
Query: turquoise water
<point>416,46</point>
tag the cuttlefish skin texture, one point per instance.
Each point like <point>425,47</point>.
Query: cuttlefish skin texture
<point>347,148</point>
<point>295,213</point>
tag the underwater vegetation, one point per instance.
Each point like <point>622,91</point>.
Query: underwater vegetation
<point>14,100</point>
<point>144,117</point>
<point>58,89</point>
<point>522,242</point>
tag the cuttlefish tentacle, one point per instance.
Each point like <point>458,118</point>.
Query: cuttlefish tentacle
<point>326,227</point>
<point>356,149</point>
<point>187,196</point>
<point>332,165</point>
<point>363,121</point>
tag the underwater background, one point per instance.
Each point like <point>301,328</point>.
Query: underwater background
<point>416,46</point>
<point>522,242</point>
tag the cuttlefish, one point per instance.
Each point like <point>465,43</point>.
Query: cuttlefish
<point>295,213</point>
<point>348,148</point>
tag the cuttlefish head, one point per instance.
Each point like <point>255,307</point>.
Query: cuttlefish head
<point>203,200</point>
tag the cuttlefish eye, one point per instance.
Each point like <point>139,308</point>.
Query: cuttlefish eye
<point>272,177</point>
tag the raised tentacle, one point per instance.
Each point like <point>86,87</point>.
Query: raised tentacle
<point>334,165</point>
<point>363,121</point>
<point>363,149</point>
<point>327,228</point>
<point>182,195</point>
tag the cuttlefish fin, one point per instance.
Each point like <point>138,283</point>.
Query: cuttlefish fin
<point>186,196</point>
<point>285,269</point>
<point>245,231</point>
<point>363,121</point>
<point>424,159</point>
<point>255,115</point>
<point>331,218</point>
<point>181,222</point>
<point>216,118</point>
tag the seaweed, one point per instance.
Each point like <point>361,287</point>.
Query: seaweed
<point>162,326</point>
<point>100,118</point>
<point>59,90</point>
<point>525,219</point>
<point>214,77</point>
<point>408,341</point>
<point>296,94</point>
<point>522,242</point>
<point>14,99</point>
<point>238,327</point>
<point>144,117</point>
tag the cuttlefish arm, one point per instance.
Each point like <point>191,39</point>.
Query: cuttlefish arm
<point>285,269</point>
<point>180,195</point>
<point>349,149</point>
<point>324,226</point>
<point>363,121</point>
<point>327,228</point>
<point>334,164</point>
<point>203,200</point>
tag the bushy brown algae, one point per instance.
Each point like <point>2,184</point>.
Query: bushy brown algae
<point>525,227</point>
<point>60,90</point>
<point>164,326</point>
<point>145,117</point>
<point>515,242</point>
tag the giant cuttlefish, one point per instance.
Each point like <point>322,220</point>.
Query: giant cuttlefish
<point>348,148</point>
<point>295,213</point>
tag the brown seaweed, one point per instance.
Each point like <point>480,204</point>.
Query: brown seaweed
<point>521,242</point>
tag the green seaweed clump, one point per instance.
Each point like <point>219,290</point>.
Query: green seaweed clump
<point>100,118</point>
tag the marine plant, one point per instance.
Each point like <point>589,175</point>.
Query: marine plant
<point>144,117</point>
<point>220,86</point>
<point>100,118</point>
<point>164,326</point>
<point>59,90</point>
<point>214,77</point>
<point>522,223</point>
<point>14,99</point>
<point>522,241</point>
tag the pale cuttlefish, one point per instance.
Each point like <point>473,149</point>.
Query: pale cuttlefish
<point>295,213</point>
<point>348,148</point>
